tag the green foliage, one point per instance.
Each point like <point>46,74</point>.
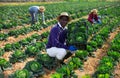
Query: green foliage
<point>106,59</point>
<point>90,48</point>
<point>3,36</point>
<point>39,45</point>
<point>86,76</point>
<point>24,42</point>
<point>82,54</point>
<point>17,56</point>
<point>77,33</point>
<point>115,47</point>
<point>13,33</point>
<point>8,47</point>
<point>24,73</point>
<point>4,64</point>
<point>104,32</point>
<point>66,71</point>
<point>106,75</point>
<point>36,36</point>
<point>45,34</point>
<point>99,40</point>
<point>32,50</point>
<point>16,45</point>
<point>115,55</point>
<point>105,68</point>
<point>47,61</point>
<point>34,67</point>
<point>93,44</point>
<point>1,51</point>
<point>75,63</point>
<point>56,75</point>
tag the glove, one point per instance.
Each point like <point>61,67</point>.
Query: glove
<point>72,48</point>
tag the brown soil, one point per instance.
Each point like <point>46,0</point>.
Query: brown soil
<point>91,64</point>
<point>20,37</point>
<point>16,66</point>
<point>117,71</point>
<point>19,27</point>
<point>14,28</point>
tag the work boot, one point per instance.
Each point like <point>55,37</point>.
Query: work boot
<point>67,55</point>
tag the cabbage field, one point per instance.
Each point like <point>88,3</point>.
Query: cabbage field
<point>22,45</point>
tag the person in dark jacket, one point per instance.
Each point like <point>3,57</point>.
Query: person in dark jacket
<point>93,17</point>
<point>56,46</point>
<point>34,10</point>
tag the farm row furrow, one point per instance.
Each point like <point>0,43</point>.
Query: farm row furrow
<point>78,14</point>
<point>92,63</point>
<point>26,53</point>
<point>17,32</point>
<point>19,15</point>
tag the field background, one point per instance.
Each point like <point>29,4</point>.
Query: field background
<point>15,27</point>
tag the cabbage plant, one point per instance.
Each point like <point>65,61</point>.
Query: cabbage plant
<point>17,56</point>
<point>4,64</point>
<point>66,71</point>
<point>8,47</point>
<point>34,67</point>
<point>16,45</point>
<point>82,54</point>
<point>75,63</point>
<point>32,50</point>
<point>47,61</point>
<point>24,73</point>
<point>56,75</point>
<point>1,51</point>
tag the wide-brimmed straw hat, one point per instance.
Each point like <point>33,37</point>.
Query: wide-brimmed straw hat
<point>42,8</point>
<point>94,10</point>
<point>64,14</point>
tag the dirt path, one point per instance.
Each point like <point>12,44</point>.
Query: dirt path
<point>91,64</point>
<point>16,66</point>
<point>14,28</point>
<point>19,27</point>
<point>117,71</point>
<point>21,37</point>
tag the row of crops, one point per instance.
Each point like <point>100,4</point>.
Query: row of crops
<point>107,63</point>
<point>34,46</point>
<point>17,15</point>
<point>24,30</point>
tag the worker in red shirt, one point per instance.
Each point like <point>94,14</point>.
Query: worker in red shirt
<point>93,17</point>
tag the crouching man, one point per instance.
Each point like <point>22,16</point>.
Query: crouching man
<point>56,46</point>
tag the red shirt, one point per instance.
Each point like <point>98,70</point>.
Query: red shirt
<point>91,17</point>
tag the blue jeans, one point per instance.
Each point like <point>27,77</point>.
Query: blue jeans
<point>34,17</point>
<point>98,21</point>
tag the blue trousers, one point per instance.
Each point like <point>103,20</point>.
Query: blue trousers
<point>98,21</point>
<point>34,17</point>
